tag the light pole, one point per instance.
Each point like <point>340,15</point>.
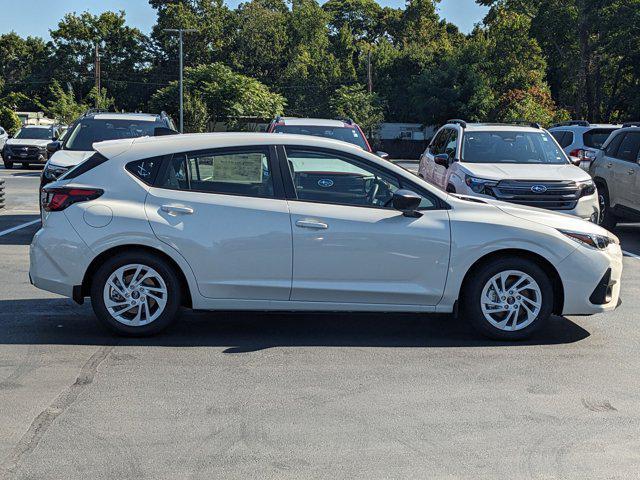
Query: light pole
<point>180,32</point>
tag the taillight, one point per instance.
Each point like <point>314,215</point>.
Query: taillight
<point>582,154</point>
<point>57,199</point>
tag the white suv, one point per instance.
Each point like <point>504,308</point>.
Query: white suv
<point>290,222</point>
<point>582,140</point>
<point>514,163</point>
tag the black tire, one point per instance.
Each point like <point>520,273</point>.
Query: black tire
<point>169,276</point>
<point>607,218</point>
<point>25,165</point>
<point>471,297</point>
<point>451,189</point>
<point>8,165</point>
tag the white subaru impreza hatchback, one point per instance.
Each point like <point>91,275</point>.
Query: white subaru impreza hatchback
<point>286,222</point>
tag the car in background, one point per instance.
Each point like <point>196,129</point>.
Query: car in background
<point>616,172</point>
<point>4,136</point>
<point>249,221</point>
<point>96,126</point>
<point>517,163</point>
<point>29,145</point>
<point>582,140</point>
<point>345,130</point>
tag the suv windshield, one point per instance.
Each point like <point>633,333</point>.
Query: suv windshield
<point>35,133</point>
<point>511,147</point>
<point>345,134</point>
<point>88,131</point>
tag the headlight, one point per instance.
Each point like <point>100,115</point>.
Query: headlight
<point>587,188</point>
<point>52,172</point>
<point>478,185</point>
<point>592,240</point>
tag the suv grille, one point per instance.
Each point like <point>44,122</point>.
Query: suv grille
<point>552,195</point>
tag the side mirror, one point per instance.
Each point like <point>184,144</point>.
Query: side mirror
<point>383,155</point>
<point>407,202</point>
<point>53,147</point>
<point>161,131</point>
<point>54,139</point>
<point>442,159</point>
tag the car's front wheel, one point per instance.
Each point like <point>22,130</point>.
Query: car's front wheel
<point>8,165</point>
<point>136,294</point>
<point>508,298</point>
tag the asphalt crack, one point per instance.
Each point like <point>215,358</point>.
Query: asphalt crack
<point>39,426</point>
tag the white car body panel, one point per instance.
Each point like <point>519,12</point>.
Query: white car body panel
<point>367,259</point>
<point>69,158</point>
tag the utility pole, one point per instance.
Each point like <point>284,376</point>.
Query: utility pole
<point>181,32</point>
<point>97,75</point>
<point>369,79</point>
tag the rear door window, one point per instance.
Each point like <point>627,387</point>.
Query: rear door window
<point>243,172</point>
<point>629,147</point>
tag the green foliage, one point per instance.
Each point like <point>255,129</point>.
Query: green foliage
<point>225,94</point>
<point>353,101</point>
<point>102,100</point>
<point>532,105</point>
<point>63,104</point>
<point>9,120</point>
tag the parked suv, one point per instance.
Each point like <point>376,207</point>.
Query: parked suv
<point>95,126</point>
<point>345,130</point>
<point>284,222</point>
<point>4,136</point>
<point>581,140</point>
<point>29,145</point>
<point>616,171</point>
<point>521,164</point>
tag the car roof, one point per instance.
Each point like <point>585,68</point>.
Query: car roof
<point>143,117</point>
<point>584,127</point>
<point>47,127</point>
<point>147,147</point>
<point>494,127</point>
<point>312,122</point>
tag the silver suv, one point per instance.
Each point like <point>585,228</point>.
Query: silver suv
<point>616,172</point>
<point>581,140</point>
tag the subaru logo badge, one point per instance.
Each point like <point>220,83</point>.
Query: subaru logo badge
<point>325,182</point>
<point>538,189</point>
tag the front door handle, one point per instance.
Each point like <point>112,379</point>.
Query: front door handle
<point>176,209</point>
<point>312,224</point>
<point>609,165</point>
<point>631,171</point>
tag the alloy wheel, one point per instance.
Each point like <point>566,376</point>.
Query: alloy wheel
<point>511,300</point>
<point>135,295</point>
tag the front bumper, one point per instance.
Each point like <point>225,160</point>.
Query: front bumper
<point>586,293</point>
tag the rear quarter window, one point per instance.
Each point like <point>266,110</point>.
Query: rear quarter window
<point>89,164</point>
<point>595,138</point>
<point>145,170</point>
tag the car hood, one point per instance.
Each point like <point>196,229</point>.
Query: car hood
<point>69,158</point>
<point>517,171</point>
<point>30,142</point>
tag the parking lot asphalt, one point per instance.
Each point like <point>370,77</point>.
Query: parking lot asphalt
<point>250,395</point>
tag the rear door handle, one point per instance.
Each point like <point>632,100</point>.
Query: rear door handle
<point>609,165</point>
<point>176,209</point>
<point>312,224</point>
<point>631,171</point>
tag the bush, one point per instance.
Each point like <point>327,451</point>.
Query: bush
<point>9,120</point>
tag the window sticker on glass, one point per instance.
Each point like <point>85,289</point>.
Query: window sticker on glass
<point>245,168</point>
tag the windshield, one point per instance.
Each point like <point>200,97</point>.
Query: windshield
<point>345,134</point>
<point>35,133</point>
<point>511,147</point>
<point>86,132</point>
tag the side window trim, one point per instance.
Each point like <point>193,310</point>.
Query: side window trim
<point>291,193</point>
<point>272,161</point>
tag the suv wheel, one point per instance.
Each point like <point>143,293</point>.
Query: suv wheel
<point>607,219</point>
<point>136,294</point>
<point>8,165</point>
<point>508,299</point>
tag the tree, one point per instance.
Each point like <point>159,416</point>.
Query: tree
<point>63,104</point>
<point>9,120</point>
<point>353,101</point>
<point>532,105</point>
<point>226,94</point>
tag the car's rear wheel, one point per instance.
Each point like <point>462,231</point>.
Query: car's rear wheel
<point>136,294</point>
<point>508,298</point>
<point>607,219</point>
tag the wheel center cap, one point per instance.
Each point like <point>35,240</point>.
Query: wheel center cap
<point>511,300</point>
<point>135,295</point>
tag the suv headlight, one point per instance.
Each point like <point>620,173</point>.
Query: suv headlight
<point>478,185</point>
<point>592,240</point>
<point>587,188</point>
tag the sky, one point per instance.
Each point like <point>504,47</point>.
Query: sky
<point>36,17</point>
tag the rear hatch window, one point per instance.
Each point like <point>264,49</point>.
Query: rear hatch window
<point>595,138</point>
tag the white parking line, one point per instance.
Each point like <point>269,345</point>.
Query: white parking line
<point>632,255</point>
<point>19,227</point>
